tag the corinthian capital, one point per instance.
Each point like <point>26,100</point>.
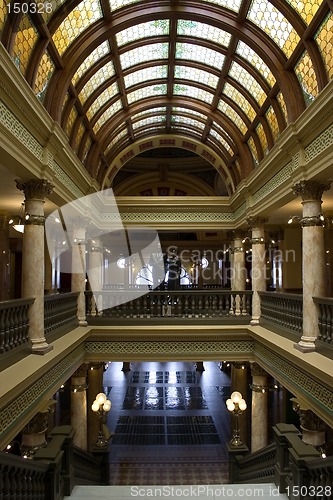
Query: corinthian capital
<point>35,189</point>
<point>255,222</point>
<point>310,190</point>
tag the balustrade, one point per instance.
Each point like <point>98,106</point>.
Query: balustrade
<point>60,310</point>
<point>191,303</point>
<point>283,309</point>
<point>14,323</point>
<point>325,318</point>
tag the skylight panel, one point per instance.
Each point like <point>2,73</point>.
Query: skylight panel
<point>204,55</point>
<point>194,92</point>
<point>145,74</point>
<point>143,30</point>
<point>196,75</point>
<point>144,53</point>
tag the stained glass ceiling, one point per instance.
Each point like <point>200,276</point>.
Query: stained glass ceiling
<point>229,74</point>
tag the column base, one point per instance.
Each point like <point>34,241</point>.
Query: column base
<point>83,322</point>
<point>42,349</point>
<point>305,347</point>
<point>254,322</point>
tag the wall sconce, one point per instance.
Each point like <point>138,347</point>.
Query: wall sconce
<point>101,407</point>
<point>236,405</point>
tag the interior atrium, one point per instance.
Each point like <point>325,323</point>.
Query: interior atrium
<point>182,150</point>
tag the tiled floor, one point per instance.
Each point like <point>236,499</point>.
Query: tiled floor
<point>170,424</point>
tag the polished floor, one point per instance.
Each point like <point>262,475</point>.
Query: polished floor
<point>170,424</point>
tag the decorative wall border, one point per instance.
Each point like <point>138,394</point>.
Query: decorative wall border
<point>320,394</point>
<point>323,141</point>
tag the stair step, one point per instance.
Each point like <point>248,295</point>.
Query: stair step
<point>236,491</point>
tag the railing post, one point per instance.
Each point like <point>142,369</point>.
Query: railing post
<point>282,467</point>
<point>67,468</point>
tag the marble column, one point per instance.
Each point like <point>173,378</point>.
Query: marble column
<point>95,270</point>
<point>199,366</point>
<point>258,264</point>
<point>239,271</point>
<point>239,382</point>
<point>126,366</point>
<point>313,258</point>
<point>95,386</point>
<point>34,433</point>
<point>4,258</point>
<point>35,192</point>
<point>259,411</point>
<point>79,407</point>
<point>79,266</point>
<point>313,428</point>
<point>48,282</point>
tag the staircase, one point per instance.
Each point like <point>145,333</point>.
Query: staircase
<point>265,491</point>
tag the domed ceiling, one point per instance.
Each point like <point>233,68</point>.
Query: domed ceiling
<point>223,75</point>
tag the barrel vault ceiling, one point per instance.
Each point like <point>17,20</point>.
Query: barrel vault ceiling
<point>225,74</point>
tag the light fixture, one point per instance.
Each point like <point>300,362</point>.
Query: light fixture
<point>17,222</point>
<point>293,218</point>
<point>236,405</point>
<point>101,407</point>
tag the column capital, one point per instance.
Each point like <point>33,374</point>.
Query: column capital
<point>257,370</point>
<point>256,222</point>
<point>39,422</point>
<point>35,189</point>
<point>310,190</point>
<point>308,419</point>
<point>81,371</point>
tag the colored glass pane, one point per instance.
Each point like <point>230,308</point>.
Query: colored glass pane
<point>103,74</point>
<point>44,73</point>
<point>307,78</point>
<point>145,122</point>
<point>87,146</point>
<point>144,53</point>
<point>262,137</point>
<point>95,55</point>
<point>79,136</point>
<point>204,31</point>
<point>71,119</point>
<point>273,123</point>
<point>184,120</point>
<point>78,19</point>
<point>194,92</point>
<point>253,150</point>
<point>272,21</point>
<point>25,41</point>
<point>222,130</point>
<point>306,9</point>
<point>111,111</point>
<point>144,92</point>
<point>324,39</point>
<point>249,83</point>
<point>3,13</point>
<point>105,96</point>
<point>116,140</point>
<point>252,57</point>
<point>283,106</point>
<point>117,4</point>
<point>180,127</point>
<point>143,30</point>
<point>48,12</point>
<point>161,110</point>
<point>146,74</point>
<point>240,100</point>
<point>221,140</point>
<point>234,117</point>
<point>197,75</point>
<point>178,110</point>
<point>193,52</point>
<point>229,4</point>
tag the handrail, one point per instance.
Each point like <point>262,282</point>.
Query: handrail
<point>256,467</point>
<point>14,323</point>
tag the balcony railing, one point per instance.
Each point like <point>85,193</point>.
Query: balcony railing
<point>192,303</point>
<point>325,318</point>
<point>284,310</point>
<point>14,323</point>
<point>60,310</point>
